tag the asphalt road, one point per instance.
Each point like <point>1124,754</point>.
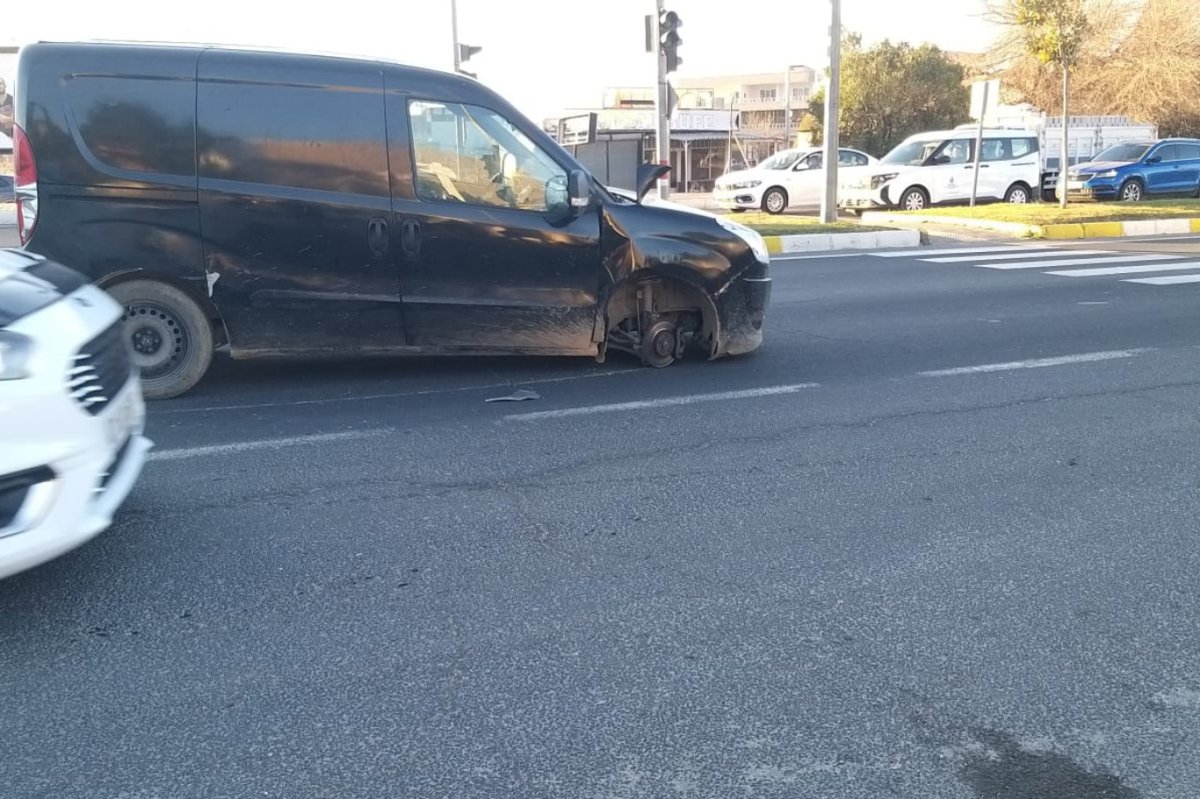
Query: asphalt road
<point>936,539</point>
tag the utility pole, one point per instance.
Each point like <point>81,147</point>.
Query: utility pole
<point>454,32</point>
<point>1064,163</point>
<point>662,133</point>
<point>787,108</point>
<point>829,197</point>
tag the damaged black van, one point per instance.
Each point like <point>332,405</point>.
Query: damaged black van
<point>277,204</point>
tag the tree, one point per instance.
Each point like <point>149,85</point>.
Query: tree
<point>1054,32</point>
<point>1140,58</point>
<point>891,91</point>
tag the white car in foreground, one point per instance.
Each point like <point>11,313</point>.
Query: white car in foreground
<point>788,179</point>
<point>71,412</point>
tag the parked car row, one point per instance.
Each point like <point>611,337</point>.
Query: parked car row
<point>939,168</point>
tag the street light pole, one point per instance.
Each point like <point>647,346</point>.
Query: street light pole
<point>454,32</point>
<point>829,196</point>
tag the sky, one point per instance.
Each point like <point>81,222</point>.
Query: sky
<point>543,55</point>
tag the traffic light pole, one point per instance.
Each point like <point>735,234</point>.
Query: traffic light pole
<point>829,196</point>
<point>454,32</point>
<point>662,114</point>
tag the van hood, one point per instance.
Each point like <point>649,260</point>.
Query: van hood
<point>654,201</point>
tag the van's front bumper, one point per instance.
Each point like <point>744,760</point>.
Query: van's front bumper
<point>742,309</point>
<point>860,199</point>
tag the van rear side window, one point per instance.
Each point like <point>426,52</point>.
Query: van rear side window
<point>135,124</point>
<point>294,136</point>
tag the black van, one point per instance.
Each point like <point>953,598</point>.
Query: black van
<point>285,204</point>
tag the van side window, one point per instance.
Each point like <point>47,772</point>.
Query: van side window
<point>995,150</point>
<point>1022,147</point>
<point>469,154</point>
<point>956,151</point>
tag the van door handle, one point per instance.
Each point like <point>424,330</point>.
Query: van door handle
<point>377,237</point>
<point>410,238</point>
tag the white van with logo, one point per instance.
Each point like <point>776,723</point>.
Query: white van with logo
<point>939,168</point>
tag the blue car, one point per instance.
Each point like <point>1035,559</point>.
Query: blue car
<point>1134,171</point>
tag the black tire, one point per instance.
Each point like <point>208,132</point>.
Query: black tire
<point>1019,194</point>
<point>775,200</point>
<point>914,199</point>
<point>170,336</point>
<point>1132,191</point>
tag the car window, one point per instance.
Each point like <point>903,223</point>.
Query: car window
<point>851,158</point>
<point>1188,152</point>
<point>815,161</point>
<point>995,150</point>
<point>913,152</point>
<point>783,160</point>
<point>957,151</point>
<point>1022,147</point>
<point>469,154</point>
<point>1165,153</point>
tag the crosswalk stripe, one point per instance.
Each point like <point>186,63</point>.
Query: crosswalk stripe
<point>1128,270</point>
<point>957,250</point>
<point>1109,259</point>
<point>1165,280</point>
<point>1009,256</point>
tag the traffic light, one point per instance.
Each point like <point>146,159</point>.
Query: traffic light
<point>465,51</point>
<point>669,24</point>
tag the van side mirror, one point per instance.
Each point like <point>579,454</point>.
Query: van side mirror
<point>579,191</point>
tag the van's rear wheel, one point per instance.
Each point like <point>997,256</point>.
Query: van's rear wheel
<point>170,337</point>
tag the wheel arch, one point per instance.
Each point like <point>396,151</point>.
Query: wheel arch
<point>621,301</point>
<point>189,288</point>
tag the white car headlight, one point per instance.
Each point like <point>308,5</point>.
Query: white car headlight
<point>1112,173</point>
<point>15,350</point>
<point>746,184</point>
<point>878,181</point>
<point>748,235</point>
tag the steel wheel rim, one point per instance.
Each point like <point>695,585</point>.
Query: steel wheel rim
<point>914,202</point>
<point>1018,197</point>
<point>158,341</point>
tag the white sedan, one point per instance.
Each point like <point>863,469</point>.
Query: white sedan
<point>788,179</point>
<point>71,412</point>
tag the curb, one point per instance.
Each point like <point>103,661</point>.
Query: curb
<point>824,242</point>
<point>1136,227</point>
<point>1077,230</point>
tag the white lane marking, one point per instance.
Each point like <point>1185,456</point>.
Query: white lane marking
<point>1108,259</point>
<point>781,257</point>
<point>269,443</point>
<point>1012,256</point>
<point>1036,363</point>
<point>1128,270</point>
<point>958,251</point>
<point>664,402</point>
<point>397,394</point>
<point>1166,280</point>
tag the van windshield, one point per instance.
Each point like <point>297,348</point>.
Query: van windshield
<point>1126,151</point>
<point>784,160</point>
<point>912,153</point>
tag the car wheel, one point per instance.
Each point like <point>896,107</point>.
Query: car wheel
<point>1017,193</point>
<point>775,201</point>
<point>914,199</point>
<point>1132,191</point>
<point>171,338</point>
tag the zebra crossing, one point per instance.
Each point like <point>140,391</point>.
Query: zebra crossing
<point>1148,269</point>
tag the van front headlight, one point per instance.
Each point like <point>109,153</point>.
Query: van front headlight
<point>748,235</point>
